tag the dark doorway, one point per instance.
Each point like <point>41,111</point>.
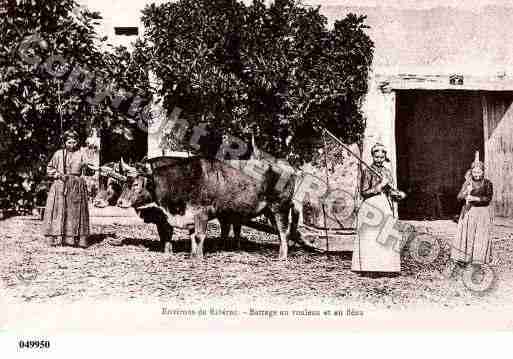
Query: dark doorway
<point>437,134</point>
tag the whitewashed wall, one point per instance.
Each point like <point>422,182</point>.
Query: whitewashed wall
<point>379,111</point>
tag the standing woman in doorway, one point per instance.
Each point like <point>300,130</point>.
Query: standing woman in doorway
<point>372,254</point>
<point>66,219</point>
<point>472,243</point>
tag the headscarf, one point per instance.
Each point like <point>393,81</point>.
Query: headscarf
<point>378,147</point>
<point>477,164</point>
<point>70,134</point>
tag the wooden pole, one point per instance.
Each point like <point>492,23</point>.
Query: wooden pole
<point>355,155</point>
<point>64,153</point>
<point>351,152</point>
<point>328,186</point>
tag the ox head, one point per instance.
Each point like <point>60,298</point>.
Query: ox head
<point>110,196</point>
<point>119,179</point>
<point>139,189</point>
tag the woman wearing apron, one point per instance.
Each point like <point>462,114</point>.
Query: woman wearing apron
<point>66,219</point>
<point>373,254</point>
<point>472,243</point>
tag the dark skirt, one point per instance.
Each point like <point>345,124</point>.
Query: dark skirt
<point>472,243</point>
<point>67,212</point>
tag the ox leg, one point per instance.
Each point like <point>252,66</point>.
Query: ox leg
<point>236,233</point>
<point>194,246</point>
<point>294,224</point>
<point>225,231</point>
<point>199,238</point>
<point>165,234</point>
<point>282,222</point>
<point>200,233</point>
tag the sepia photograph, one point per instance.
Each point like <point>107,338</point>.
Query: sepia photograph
<point>255,165</point>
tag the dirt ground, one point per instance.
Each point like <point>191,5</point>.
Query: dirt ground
<point>124,263</point>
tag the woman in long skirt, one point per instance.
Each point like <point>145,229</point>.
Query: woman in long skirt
<point>472,243</point>
<point>66,219</point>
<point>373,254</point>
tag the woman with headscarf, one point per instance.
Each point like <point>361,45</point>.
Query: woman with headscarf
<point>66,219</point>
<point>472,243</point>
<point>372,253</point>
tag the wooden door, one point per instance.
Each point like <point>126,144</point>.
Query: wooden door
<point>498,132</point>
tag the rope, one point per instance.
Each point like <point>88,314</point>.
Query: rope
<point>328,185</point>
<point>59,106</point>
<point>357,193</point>
<point>64,155</point>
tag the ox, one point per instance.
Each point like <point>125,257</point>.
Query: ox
<point>118,185</point>
<point>188,192</point>
<point>109,196</point>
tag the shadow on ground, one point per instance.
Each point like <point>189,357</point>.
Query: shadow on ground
<point>97,238</point>
<point>213,245</point>
<point>210,245</point>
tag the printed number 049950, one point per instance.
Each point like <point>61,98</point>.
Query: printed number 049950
<point>34,344</point>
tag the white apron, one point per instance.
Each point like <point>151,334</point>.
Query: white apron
<point>371,252</point>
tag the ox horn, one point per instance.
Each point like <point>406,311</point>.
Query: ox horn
<point>131,171</point>
<point>256,152</point>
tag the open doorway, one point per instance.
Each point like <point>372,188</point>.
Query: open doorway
<point>437,134</point>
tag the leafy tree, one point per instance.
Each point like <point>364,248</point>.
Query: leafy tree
<point>40,98</point>
<point>276,72</point>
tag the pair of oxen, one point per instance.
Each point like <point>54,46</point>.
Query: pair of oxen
<point>188,192</point>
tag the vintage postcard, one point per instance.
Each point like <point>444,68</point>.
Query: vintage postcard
<point>267,166</point>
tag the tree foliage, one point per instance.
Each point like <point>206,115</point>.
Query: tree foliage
<point>276,72</point>
<point>38,102</point>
